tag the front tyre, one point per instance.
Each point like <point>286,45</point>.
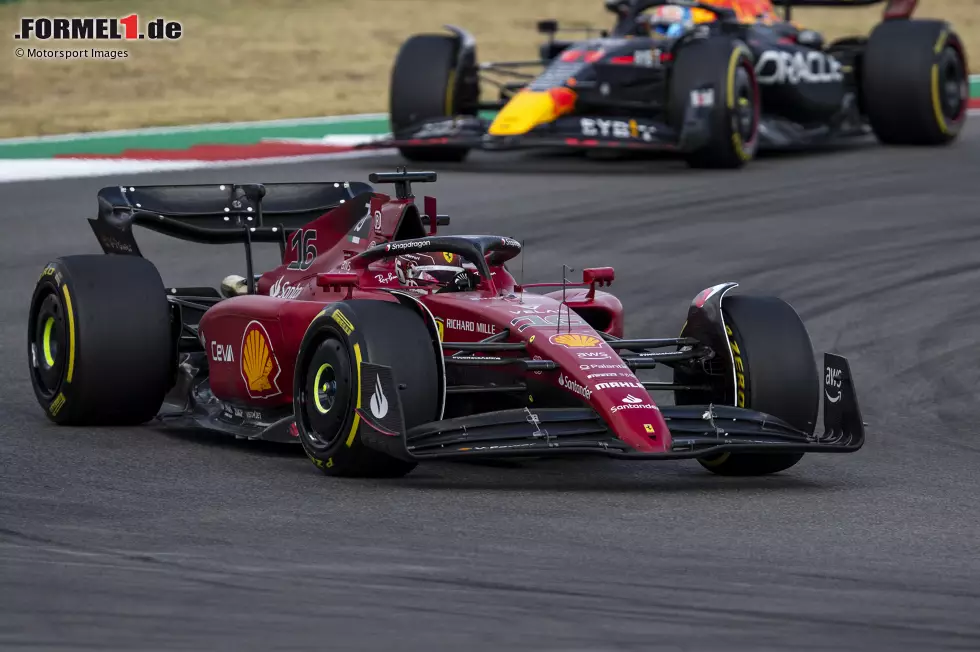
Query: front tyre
<point>327,389</point>
<point>733,123</point>
<point>915,82</point>
<point>774,374</point>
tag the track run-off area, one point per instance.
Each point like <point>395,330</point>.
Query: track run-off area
<point>125,539</point>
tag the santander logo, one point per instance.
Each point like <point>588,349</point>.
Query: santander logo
<point>284,290</point>
<point>630,402</point>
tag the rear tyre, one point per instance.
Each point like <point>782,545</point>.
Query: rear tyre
<point>99,340</point>
<point>424,86</point>
<point>733,127</point>
<point>326,382</point>
<point>775,374</point>
<point>915,82</point>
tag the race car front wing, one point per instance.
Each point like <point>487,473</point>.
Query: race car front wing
<point>581,132</point>
<point>696,431</point>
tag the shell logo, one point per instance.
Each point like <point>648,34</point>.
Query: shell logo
<point>575,341</point>
<point>260,369</point>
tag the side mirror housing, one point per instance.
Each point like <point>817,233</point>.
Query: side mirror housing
<point>336,281</point>
<point>549,26</point>
<point>598,276</point>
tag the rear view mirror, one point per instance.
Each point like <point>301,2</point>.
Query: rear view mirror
<point>547,26</point>
<point>338,281</point>
<point>598,276</point>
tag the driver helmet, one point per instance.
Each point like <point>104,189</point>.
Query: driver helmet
<point>669,20</point>
<point>440,269</point>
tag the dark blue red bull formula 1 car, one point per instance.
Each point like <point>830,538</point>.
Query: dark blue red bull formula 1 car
<point>714,81</point>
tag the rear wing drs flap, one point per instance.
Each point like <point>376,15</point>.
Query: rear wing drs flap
<point>224,213</point>
<point>215,213</point>
<point>894,9</point>
<point>230,213</point>
<point>627,10</point>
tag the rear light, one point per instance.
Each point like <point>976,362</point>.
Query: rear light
<point>630,59</point>
<point>569,56</point>
<point>593,56</point>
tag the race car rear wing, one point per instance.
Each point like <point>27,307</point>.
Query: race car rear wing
<point>222,213</point>
<point>216,213</point>
<point>894,9</point>
<point>230,213</point>
<point>237,213</point>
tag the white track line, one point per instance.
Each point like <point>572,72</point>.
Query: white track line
<point>342,140</point>
<point>18,170</point>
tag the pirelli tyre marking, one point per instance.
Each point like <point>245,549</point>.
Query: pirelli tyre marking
<point>937,106</point>
<point>733,63</point>
<point>71,334</point>
<point>357,406</point>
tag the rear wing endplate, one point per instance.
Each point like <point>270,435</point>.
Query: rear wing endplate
<point>841,413</point>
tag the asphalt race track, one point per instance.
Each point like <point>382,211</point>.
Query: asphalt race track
<point>125,539</point>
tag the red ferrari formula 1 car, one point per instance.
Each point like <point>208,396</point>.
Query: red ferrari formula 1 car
<point>379,343</point>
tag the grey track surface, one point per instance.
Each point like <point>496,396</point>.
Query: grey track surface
<point>128,539</point>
